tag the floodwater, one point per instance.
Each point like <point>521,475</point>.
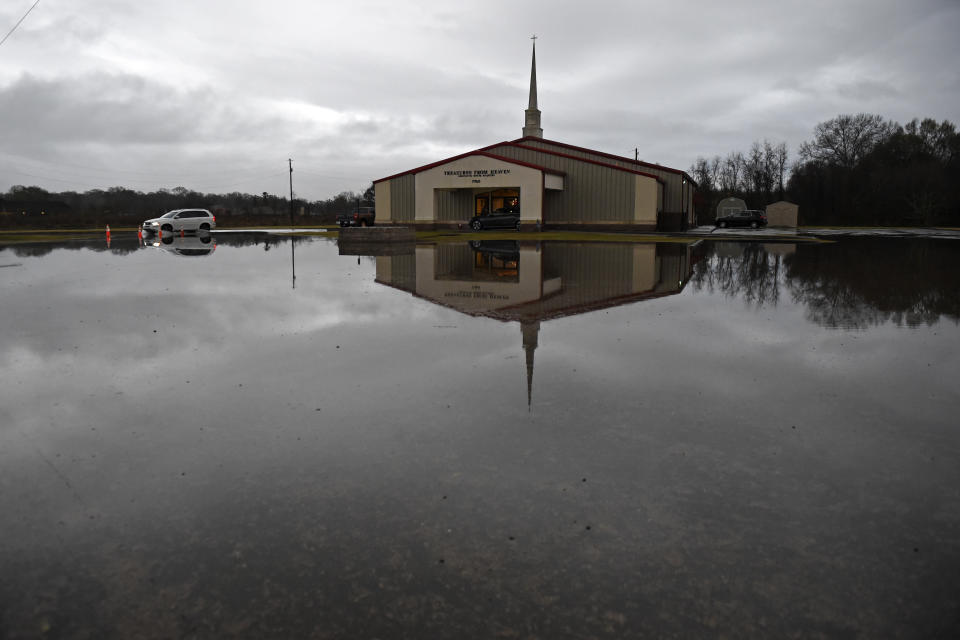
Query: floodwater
<point>265,438</point>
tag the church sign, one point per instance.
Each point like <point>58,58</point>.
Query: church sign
<point>476,173</point>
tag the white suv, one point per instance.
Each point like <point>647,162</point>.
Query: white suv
<point>182,220</point>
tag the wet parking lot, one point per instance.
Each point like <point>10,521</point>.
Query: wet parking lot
<point>264,436</point>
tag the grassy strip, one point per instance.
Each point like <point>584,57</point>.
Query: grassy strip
<point>43,236</point>
<point>562,236</point>
<point>309,234</point>
<point>871,226</point>
<point>602,236</point>
<point>328,227</point>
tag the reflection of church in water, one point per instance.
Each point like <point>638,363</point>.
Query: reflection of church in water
<point>532,282</point>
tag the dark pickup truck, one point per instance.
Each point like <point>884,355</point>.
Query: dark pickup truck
<point>359,217</point>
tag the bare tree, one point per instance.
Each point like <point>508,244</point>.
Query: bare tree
<point>731,172</point>
<point>754,174</point>
<point>700,170</point>
<point>780,163</point>
<point>846,139</point>
<point>715,164</point>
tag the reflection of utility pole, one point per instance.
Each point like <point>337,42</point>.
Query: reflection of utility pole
<point>291,190</point>
<point>293,262</point>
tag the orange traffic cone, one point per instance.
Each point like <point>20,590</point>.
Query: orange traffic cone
<point>108,232</point>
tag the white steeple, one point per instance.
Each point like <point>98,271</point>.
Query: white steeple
<point>532,120</point>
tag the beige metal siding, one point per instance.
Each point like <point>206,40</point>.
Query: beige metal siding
<point>454,206</point>
<point>382,194</point>
<point>553,205</point>
<point>402,198</point>
<point>647,201</point>
<point>591,193</point>
<point>673,197</point>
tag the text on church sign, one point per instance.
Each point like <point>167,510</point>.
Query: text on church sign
<point>476,173</point>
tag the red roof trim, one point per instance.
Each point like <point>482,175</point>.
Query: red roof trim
<point>587,160</point>
<point>477,152</point>
<point>607,155</point>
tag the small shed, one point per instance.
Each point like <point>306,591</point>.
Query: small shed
<point>729,206</point>
<point>782,214</point>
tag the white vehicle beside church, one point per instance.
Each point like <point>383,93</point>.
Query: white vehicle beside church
<point>181,220</point>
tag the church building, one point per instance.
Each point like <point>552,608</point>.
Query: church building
<point>553,184</point>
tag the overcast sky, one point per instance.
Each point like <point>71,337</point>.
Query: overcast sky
<point>215,95</point>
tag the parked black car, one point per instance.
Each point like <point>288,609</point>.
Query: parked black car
<point>746,218</point>
<point>500,219</point>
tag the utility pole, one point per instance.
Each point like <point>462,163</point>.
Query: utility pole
<point>636,154</point>
<point>290,161</point>
<point>293,240</point>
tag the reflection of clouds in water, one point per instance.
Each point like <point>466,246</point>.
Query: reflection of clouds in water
<point>721,349</point>
<point>85,336</point>
<point>197,300</point>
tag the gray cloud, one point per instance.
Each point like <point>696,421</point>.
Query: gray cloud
<point>359,91</point>
<point>102,108</point>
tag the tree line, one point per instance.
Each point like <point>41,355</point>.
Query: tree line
<point>856,170</point>
<point>31,206</point>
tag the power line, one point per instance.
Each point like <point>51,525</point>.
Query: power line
<point>19,21</point>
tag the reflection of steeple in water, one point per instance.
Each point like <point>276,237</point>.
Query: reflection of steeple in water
<point>531,284</point>
<point>531,334</point>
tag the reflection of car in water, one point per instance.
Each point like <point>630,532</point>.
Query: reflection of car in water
<point>182,220</point>
<point>201,245</point>
<point>496,258</point>
<point>504,249</point>
<point>503,218</point>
